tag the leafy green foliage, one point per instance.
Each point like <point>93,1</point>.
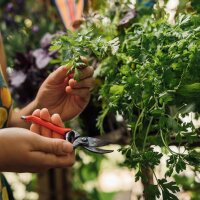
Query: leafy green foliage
<point>178,162</point>
<point>168,189</point>
<point>152,191</point>
<point>175,162</point>
<point>74,45</point>
<point>149,158</point>
<point>164,188</point>
<point>22,27</point>
<point>151,78</point>
<point>193,158</point>
<point>195,5</point>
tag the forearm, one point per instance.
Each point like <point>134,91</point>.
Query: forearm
<point>15,119</point>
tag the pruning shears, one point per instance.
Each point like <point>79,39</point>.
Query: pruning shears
<point>89,143</point>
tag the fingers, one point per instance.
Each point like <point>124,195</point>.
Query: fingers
<point>82,87</point>
<point>85,83</point>
<point>58,76</point>
<point>84,92</point>
<point>34,127</point>
<point>72,83</point>
<point>53,146</point>
<point>56,119</point>
<point>86,72</point>
<point>63,161</point>
<point>51,152</point>
<point>48,161</point>
<point>44,114</point>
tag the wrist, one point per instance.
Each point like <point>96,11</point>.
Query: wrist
<point>15,119</point>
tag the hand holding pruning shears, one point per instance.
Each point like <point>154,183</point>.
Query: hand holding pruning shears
<point>89,143</point>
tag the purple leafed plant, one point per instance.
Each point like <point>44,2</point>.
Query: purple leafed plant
<point>30,69</point>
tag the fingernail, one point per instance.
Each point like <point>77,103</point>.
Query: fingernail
<point>68,89</point>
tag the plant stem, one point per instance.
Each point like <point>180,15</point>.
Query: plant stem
<point>167,147</point>
<point>147,132</point>
<point>135,129</point>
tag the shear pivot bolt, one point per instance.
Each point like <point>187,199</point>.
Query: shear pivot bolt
<point>84,139</point>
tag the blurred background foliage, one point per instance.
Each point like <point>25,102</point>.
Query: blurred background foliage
<point>23,25</point>
<point>28,27</point>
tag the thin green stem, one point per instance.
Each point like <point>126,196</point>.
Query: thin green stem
<point>147,132</point>
<point>167,147</point>
<point>136,127</point>
<point>156,179</point>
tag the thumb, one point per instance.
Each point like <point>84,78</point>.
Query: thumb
<point>58,76</point>
<point>54,146</point>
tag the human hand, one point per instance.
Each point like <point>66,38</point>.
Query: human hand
<point>25,151</point>
<point>64,95</point>
<point>45,115</point>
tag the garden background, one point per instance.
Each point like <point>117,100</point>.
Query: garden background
<point>155,143</point>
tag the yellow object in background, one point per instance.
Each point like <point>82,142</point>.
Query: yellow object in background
<point>5,97</point>
<point>3,116</point>
<point>5,194</point>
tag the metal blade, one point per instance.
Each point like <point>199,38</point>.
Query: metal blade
<point>97,142</point>
<point>89,142</point>
<point>98,150</point>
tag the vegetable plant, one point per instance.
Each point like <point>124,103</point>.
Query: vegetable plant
<point>151,75</point>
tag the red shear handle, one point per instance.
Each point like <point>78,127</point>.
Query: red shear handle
<point>46,124</point>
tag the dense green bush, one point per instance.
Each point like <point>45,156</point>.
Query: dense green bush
<point>151,78</point>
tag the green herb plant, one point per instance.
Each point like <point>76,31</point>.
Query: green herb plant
<point>76,45</point>
<point>152,79</point>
